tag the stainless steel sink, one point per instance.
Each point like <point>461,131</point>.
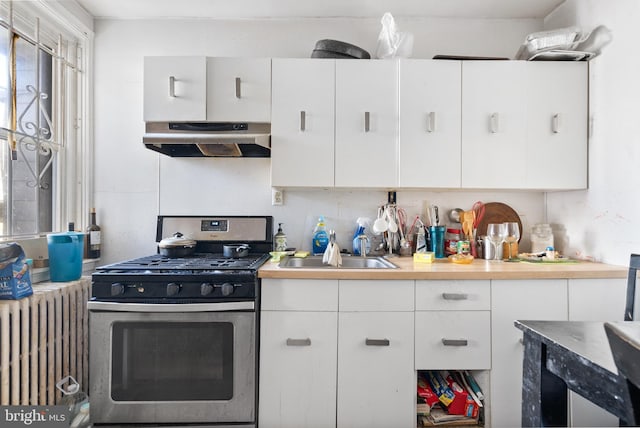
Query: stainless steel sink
<point>348,262</point>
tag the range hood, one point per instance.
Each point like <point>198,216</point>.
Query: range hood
<point>209,139</point>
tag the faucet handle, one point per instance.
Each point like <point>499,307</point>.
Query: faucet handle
<point>332,236</point>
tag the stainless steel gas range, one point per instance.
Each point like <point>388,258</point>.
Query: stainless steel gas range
<point>174,340</point>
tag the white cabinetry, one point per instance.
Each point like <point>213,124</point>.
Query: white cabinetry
<point>239,89</point>
<point>366,151</point>
<point>517,300</point>
<point>429,140</point>
<point>525,123</point>
<point>610,295</point>
<point>376,380</point>
<point>207,89</point>
<point>556,147</point>
<point>298,354</point>
<point>302,130</point>
<point>175,88</point>
<point>453,325</point>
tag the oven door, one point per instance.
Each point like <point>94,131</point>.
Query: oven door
<point>172,363</point>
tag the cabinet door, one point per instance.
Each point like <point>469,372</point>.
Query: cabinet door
<point>429,123</point>
<point>594,300</point>
<point>302,126</point>
<point>376,380</point>
<point>513,300</point>
<point>556,156</point>
<point>494,124</point>
<point>175,89</point>
<point>298,369</point>
<point>239,89</point>
<point>366,123</point>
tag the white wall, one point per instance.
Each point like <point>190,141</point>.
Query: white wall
<point>603,222</point>
<point>134,185</point>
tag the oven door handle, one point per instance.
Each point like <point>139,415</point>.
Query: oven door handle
<point>170,307</point>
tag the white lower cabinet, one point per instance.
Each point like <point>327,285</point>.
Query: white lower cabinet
<point>344,353</point>
<point>298,353</point>
<point>376,380</point>
<point>298,369</point>
<point>610,295</point>
<point>517,300</point>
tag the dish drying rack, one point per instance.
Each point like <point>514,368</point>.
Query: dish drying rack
<point>564,44</point>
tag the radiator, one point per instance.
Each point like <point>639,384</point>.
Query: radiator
<point>43,338</point>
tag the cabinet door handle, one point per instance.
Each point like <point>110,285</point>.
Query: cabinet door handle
<point>376,342</point>
<point>494,123</point>
<point>455,296</point>
<point>299,342</point>
<point>303,120</point>
<point>431,121</point>
<point>367,121</point>
<point>172,86</point>
<point>556,123</point>
<point>238,94</point>
<point>454,342</point>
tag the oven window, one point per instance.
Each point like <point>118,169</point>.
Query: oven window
<point>172,361</point>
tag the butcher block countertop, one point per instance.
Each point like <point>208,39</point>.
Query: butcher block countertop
<point>444,269</point>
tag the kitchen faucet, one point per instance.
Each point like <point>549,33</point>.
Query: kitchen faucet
<point>363,245</point>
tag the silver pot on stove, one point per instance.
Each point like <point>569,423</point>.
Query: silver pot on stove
<point>235,251</point>
<point>177,246</point>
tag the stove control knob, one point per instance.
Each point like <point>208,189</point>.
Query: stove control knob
<point>117,289</point>
<point>173,289</point>
<point>206,289</point>
<point>227,289</point>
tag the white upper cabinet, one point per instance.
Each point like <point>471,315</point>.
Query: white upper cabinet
<point>366,146</point>
<point>239,89</point>
<point>302,129</point>
<point>556,150</point>
<point>493,124</point>
<point>524,125</point>
<point>175,89</point>
<point>183,89</point>
<point>429,123</point>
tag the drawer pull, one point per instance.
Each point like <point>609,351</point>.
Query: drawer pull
<point>303,120</point>
<point>238,92</point>
<point>172,86</point>
<point>367,123</point>
<point>494,123</point>
<point>431,121</point>
<point>454,342</point>
<point>455,296</point>
<point>299,342</point>
<point>376,342</point>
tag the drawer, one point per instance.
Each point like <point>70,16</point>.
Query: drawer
<point>299,295</point>
<point>453,340</point>
<point>376,295</point>
<point>453,295</point>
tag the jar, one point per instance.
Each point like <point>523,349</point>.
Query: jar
<point>464,247</point>
<point>541,237</point>
<point>451,238</point>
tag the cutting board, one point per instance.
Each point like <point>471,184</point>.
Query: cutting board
<point>497,212</point>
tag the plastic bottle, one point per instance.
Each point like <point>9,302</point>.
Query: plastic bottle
<point>320,238</point>
<point>280,239</point>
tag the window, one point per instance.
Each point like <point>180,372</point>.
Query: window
<point>42,141</point>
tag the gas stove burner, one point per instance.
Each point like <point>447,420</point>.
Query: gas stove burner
<point>198,262</point>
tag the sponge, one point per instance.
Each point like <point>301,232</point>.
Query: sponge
<point>301,254</point>
<point>427,257</point>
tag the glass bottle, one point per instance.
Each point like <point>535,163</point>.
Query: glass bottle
<point>93,235</point>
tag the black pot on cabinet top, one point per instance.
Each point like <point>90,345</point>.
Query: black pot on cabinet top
<point>340,49</point>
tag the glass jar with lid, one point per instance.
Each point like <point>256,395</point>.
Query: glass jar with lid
<point>451,238</point>
<point>541,237</point>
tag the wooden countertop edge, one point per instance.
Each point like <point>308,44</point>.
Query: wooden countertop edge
<point>479,269</point>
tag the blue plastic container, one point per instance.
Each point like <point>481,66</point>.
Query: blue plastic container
<point>65,256</point>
